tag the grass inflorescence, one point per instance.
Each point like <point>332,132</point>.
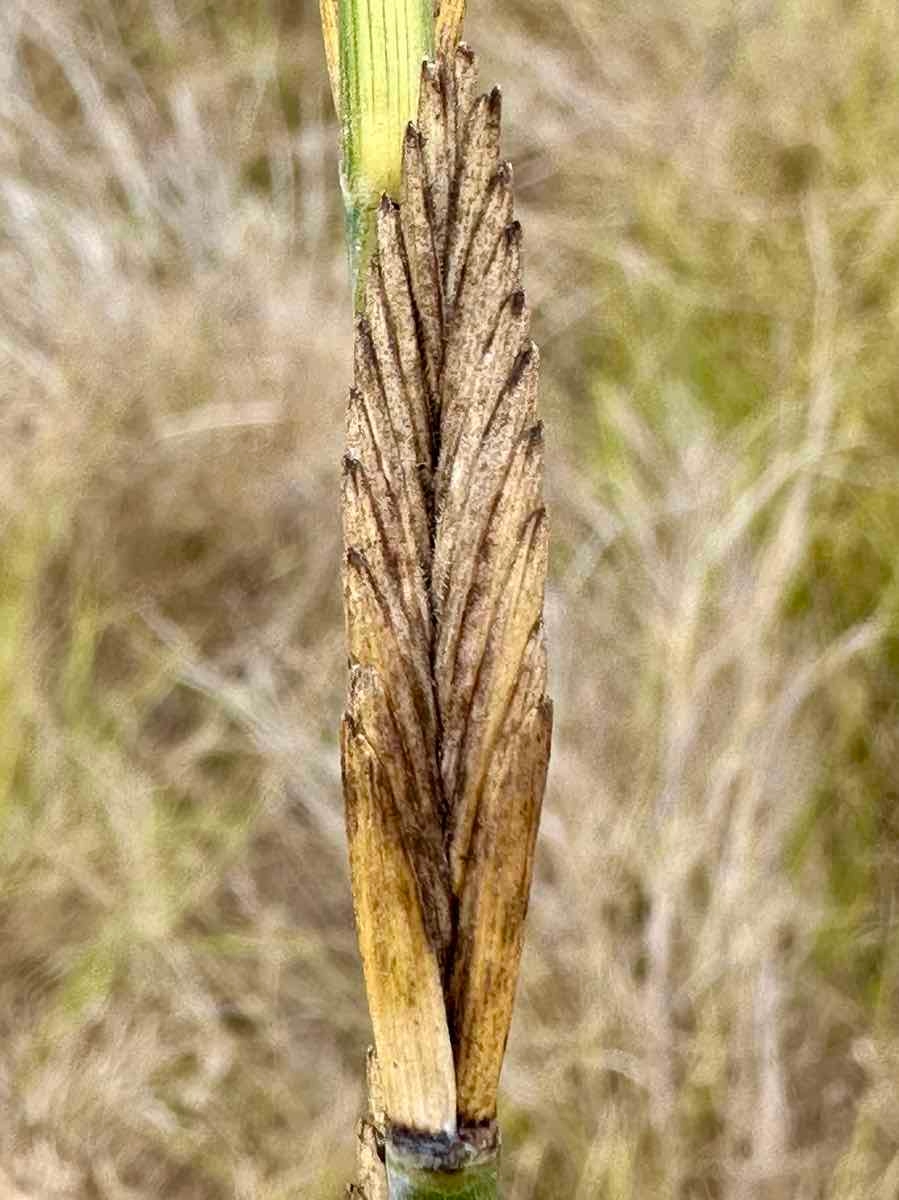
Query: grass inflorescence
<point>447,730</point>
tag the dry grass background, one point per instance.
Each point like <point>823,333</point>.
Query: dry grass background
<point>709,1007</point>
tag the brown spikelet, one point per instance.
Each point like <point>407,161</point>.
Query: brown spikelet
<point>447,732</point>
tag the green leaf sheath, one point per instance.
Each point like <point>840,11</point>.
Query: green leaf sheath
<point>477,1181</point>
<point>382,46</point>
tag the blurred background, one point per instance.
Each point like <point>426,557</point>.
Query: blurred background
<point>709,1004</point>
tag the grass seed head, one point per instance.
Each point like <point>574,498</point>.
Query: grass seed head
<point>447,733</point>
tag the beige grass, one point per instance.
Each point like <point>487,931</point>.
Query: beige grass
<point>708,998</point>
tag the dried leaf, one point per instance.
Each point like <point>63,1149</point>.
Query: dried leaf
<point>376,640</point>
<point>492,911</point>
<point>402,978</point>
<point>418,821</point>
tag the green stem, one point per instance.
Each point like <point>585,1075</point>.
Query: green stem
<point>382,46</point>
<point>417,1174</point>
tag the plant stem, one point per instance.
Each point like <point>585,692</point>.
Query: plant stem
<point>382,46</point>
<point>412,1176</point>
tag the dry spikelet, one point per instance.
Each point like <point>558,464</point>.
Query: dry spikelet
<point>447,730</point>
